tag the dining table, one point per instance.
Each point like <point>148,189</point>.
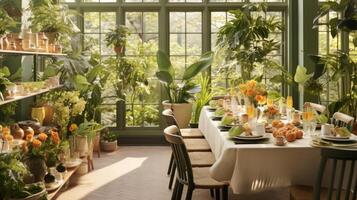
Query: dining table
<point>255,167</point>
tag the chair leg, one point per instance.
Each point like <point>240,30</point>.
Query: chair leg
<point>225,192</point>
<point>174,192</point>
<point>211,191</point>
<point>189,193</point>
<point>179,191</point>
<point>170,164</point>
<point>172,175</point>
<point>218,195</point>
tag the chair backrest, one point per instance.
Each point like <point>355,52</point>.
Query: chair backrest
<point>342,120</point>
<point>318,107</point>
<point>183,163</point>
<point>343,163</point>
<point>169,117</point>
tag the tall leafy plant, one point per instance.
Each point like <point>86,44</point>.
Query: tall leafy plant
<point>180,92</point>
<point>6,22</point>
<point>202,97</point>
<point>245,39</point>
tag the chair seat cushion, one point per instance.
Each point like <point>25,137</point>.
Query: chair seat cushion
<point>191,133</point>
<point>307,192</point>
<point>203,180</point>
<point>196,145</point>
<point>201,159</point>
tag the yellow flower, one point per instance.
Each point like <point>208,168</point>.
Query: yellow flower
<point>42,137</point>
<point>36,143</point>
<point>251,84</point>
<point>5,130</point>
<point>73,127</point>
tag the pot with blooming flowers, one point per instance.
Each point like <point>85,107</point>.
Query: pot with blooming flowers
<point>253,92</point>
<point>41,152</point>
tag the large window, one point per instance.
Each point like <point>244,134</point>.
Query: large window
<point>183,28</point>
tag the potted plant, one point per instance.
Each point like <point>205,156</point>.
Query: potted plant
<point>53,20</point>
<point>108,140</point>
<point>245,39</point>
<point>84,136</point>
<point>201,99</point>
<point>179,92</point>
<point>117,38</point>
<point>6,24</point>
<point>12,175</point>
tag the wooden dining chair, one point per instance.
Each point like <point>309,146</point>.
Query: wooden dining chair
<point>318,107</point>
<point>194,178</point>
<point>342,120</point>
<point>342,172</point>
<point>199,149</point>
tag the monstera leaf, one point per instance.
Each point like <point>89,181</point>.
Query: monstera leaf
<point>301,75</point>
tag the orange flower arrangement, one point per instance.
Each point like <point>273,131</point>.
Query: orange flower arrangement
<point>254,91</point>
<point>36,143</point>
<point>42,137</point>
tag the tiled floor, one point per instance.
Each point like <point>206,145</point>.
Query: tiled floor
<point>134,173</point>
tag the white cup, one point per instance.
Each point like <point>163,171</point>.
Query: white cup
<point>326,129</point>
<point>260,129</point>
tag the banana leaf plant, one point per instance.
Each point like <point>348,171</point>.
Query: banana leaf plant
<point>180,91</point>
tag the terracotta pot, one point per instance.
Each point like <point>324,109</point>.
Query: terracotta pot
<point>119,49</point>
<point>17,132</point>
<point>109,146</point>
<point>81,145</point>
<point>37,167</point>
<point>182,112</point>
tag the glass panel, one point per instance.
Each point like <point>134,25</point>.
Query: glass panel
<point>91,22</point>
<point>177,22</point>
<point>194,44</point>
<point>177,44</point>
<point>107,21</point>
<point>193,22</point>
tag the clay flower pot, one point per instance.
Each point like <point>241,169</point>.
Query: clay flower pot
<point>182,112</point>
<point>109,146</point>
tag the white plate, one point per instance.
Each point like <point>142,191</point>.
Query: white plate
<point>253,137</point>
<point>337,139</point>
<point>53,186</point>
<point>73,163</point>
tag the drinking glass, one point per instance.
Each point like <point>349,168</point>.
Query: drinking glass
<point>308,114</point>
<point>289,102</point>
<point>250,109</point>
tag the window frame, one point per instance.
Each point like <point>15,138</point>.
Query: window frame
<point>164,7</point>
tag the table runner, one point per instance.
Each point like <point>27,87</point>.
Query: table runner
<point>257,167</point>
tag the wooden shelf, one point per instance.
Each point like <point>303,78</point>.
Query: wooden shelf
<point>18,98</point>
<point>70,172</point>
<point>30,53</point>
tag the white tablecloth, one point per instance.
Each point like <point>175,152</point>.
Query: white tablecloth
<point>257,167</point>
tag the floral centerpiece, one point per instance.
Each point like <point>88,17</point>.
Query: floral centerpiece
<point>253,92</point>
<point>41,152</point>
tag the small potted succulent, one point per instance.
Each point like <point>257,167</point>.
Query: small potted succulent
<point>109,140</point>
<point>117,38</point>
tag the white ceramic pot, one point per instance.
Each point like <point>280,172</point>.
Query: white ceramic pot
<point>182,112</point>
<point>81,145</point>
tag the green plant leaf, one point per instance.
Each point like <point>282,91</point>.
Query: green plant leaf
<point>164,63</point>
<point>80,82</point>
<point>277,79</point>
<point>301,75</point>
<point>204,62</point>
<point>164,77</point>
<point>5,71</point>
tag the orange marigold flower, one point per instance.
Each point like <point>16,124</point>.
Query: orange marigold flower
<point>251,83</point>
<point>249,92</point>
<point>24,147</point>
<point>260,99</point>
<point>9,137</point>
<point>55,138</point>
<point>42,137</point>
<point>29,137</point>
<point>36,143</point>
<point>73,127</point>
<point>5,130</point>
